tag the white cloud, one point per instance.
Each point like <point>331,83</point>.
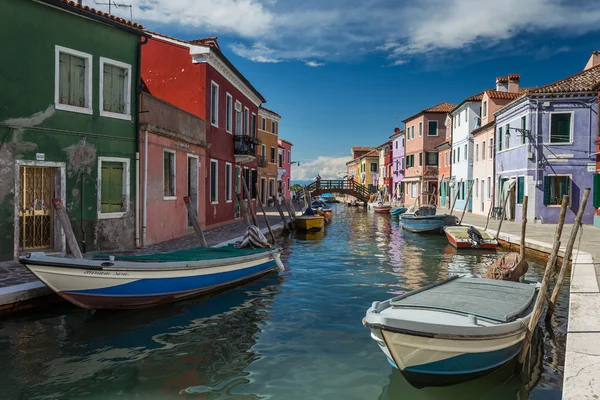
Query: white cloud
<point>314,64</point>
<point>337,30</point>
<point>327,167</point>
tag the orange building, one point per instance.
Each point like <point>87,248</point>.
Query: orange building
<point>267,153</point>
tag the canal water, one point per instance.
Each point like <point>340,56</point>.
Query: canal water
<point>292,335</point>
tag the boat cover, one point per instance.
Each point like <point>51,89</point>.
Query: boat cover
<point>194,254</point>
<point>501,301</point>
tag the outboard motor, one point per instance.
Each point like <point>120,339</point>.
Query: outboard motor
<point>476,238</point>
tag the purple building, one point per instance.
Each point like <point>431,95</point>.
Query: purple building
<point>545,145</point>
<point>398,164</point>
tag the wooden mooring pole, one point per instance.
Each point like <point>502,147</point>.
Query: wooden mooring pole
<point>510,187</point>
<point>491,208</point>
<point>262,208</point>
<point>249,200</point>
<point>243,211</point>
<point>455,197</point>
<point>466,203</point>
<point>290,213</point>
<point>523,228</point>
<point>63,218</point>
<point>541,296</point>
<point>568,253</point>
<point>193,218</point>
<point>286,226</point>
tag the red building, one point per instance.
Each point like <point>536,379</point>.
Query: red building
<point>284,173</point>
<point>197,77</point>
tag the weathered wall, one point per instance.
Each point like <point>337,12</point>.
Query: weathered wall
<point>29,124</point>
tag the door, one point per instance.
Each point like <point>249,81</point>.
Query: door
<point>36,214</point>
<point>237,190</point>
<point>192,184</point>
<point>482,192</point>
<point>263,190</point>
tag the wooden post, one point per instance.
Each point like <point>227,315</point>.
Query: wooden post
<point>541,296</point>
<point>455,197</point>
<point>523,227</point>
<point>61,214</point>
<point>568,253</point>
<point>193,218</point>
<point>291,214</point>
<point>262,208</point>
<point>249,199</point>
<point>286,226</point>
<point>243,210</point>
<point>466,203</point>
<point>491,208</point>
<point>504,210</point>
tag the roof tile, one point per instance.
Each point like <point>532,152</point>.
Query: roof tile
<point>102,14</point>
<point>443,107</point>
<point>584,81</point>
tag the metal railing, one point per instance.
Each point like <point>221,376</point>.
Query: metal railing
<point>340,186</point>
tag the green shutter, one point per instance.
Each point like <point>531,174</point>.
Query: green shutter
<point>546,190</point>
<point>111,197</point>
<point>113,92</point>
<point>499,139</point>
<point>597,190</point>
<point>77,82</point>
<point>63,80</point>
<point>523,125</point>
<point>520,189</point>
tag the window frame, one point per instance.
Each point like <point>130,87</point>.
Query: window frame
<point>421,129</point>
<point>174,174</point>
<point>127,92</point>
<point>484,110</point>
<point>483,151</point>
<point>437,133</point>
<point>210,195</point>
<point>89,109</point>
<point>246,122</point>
<point>126,187</point>
<point>476,152</point>
<point>263,124</point>
<point>228,113</point>
<point>254,125</point>
<point>273,126</point>
<point>273,155</point>
<point>214,108</point>
<point>570,176</point>
<point>571,128</point>
<point>239,122</point>
<point>517,189</point>
<point>228,182</point>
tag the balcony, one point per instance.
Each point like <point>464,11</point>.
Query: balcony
<point>261,161</point>
<point>245,148</point>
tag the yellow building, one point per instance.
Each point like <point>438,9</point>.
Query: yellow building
<point>368,166</point>
<point>267,153</point>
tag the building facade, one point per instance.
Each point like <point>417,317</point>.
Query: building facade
<point>596,188</point>
<point>197,77</point>
<point>444,150</point>
<point>424,131</point>
<point>398,142</point>
<point>68,119</point>
<point>368,166</point>
<point>268,154</point>
<point>545,145</point>
<point>284,175</point>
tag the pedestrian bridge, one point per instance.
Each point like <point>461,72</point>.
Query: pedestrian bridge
<point>342,186</point>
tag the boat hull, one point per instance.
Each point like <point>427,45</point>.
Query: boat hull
<point>426,224</point>
<point>382,209</point>
<point>463,242</point>
<point>310,223</point>
<point>120,288</point>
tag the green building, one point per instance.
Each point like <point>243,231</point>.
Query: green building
<point>68,126</point>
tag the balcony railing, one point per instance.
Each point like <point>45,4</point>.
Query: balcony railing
<point>245,145</point>
<point>261,161</point>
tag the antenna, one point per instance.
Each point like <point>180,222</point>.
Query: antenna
<point>112,3</point>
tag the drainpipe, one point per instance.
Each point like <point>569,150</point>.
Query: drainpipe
<point>138,93</point>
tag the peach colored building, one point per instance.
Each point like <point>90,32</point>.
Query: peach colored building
<point>424,131</point>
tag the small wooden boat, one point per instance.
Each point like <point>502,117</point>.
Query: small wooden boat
<point>453,330</point>
<point>469,237</point>
<point>417,223</point>
<point>310,223</point>
<point>397,212</point>
<point>325,214</point>
<point>382,208</point>
<point>147,280</point>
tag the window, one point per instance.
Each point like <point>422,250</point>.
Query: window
<point>491,148</point>
<point>238,118</point>
<point>489,188</point>
<point>113,187</point>
<point>413,190</point>
<point>484,109</point>
<point>476,188</point>
<point>596,201</point>
<point>413,131</point>
<point>402,141</point>
<point>228,112</point>
<point>271,187</point>
<point>228,182</point>
<point>273,155</point>
<point>289,160</point>
<point>402,165</point>
<point>555,187</point>
<point>454,156</point>
<point>420,129</point>
<point>458,118</point>
<point>272,126</point>
<point>254,186</point>
<point>168,175</point>
<point>214,181</point>
<point>374,167</point>
<point>264,151</point>
<point>214,104</point>
<point>483,151</point>
<point>507,137</point>
<point>520,189</point>
<point>253,125</point>
<point>466,154</point>
<point>431,158</point>
<point>246,125</point>
<point>477,152</point>
<point>73,81</point>
<point>458,155</point>
<point>420,159</point>
<point>432,128</point>
<point>500,139</point>
<point>264,124</point>
<point>560,128</point>
<point>523,125</point>
<point>115,92</point>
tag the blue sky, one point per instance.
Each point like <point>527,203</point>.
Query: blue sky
<point>346,72</point>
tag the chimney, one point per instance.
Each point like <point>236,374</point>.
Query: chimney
<point>513,83</point>
<point>79,2</point>
<point>593,61</point>
<point>502,84</point>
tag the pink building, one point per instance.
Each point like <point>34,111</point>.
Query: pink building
<point>284,171</point>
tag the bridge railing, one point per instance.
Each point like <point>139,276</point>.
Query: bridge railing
<point>330,185</point>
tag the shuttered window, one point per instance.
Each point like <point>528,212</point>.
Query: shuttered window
<point>555,187</point>
<point>431,158</point>
<point>597,190</point>
<point>560,128</point>
<point>227,182</point>
<point>432,128</point>
<point>420,159</point>
<point>72,80</point>
<point>523,125</point>
<point>214,104</point>
<point>168,174</point>
<point>520,189</point>
<point>114,89</point>
<point>111,189</point>
<point>214,181</point>
<point>500,139</point>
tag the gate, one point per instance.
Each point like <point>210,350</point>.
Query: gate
<point>36,215</point>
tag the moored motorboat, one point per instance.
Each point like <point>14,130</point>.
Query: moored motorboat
<point>325,214</point>
<point>310,223</point>
<point>453,330</point>
<point>147,280</point>
<point>417,223</point>
<point>397,212</point>
<point>382,208</point>
<point>469,237</point>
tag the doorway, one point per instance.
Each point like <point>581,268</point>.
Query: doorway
<point>192,184</point>
<point>263,190</point>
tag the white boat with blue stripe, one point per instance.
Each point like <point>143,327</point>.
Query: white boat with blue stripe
<point>454,330</point>
<point>145,280</point>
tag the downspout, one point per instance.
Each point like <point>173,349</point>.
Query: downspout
<point>138,93</point>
